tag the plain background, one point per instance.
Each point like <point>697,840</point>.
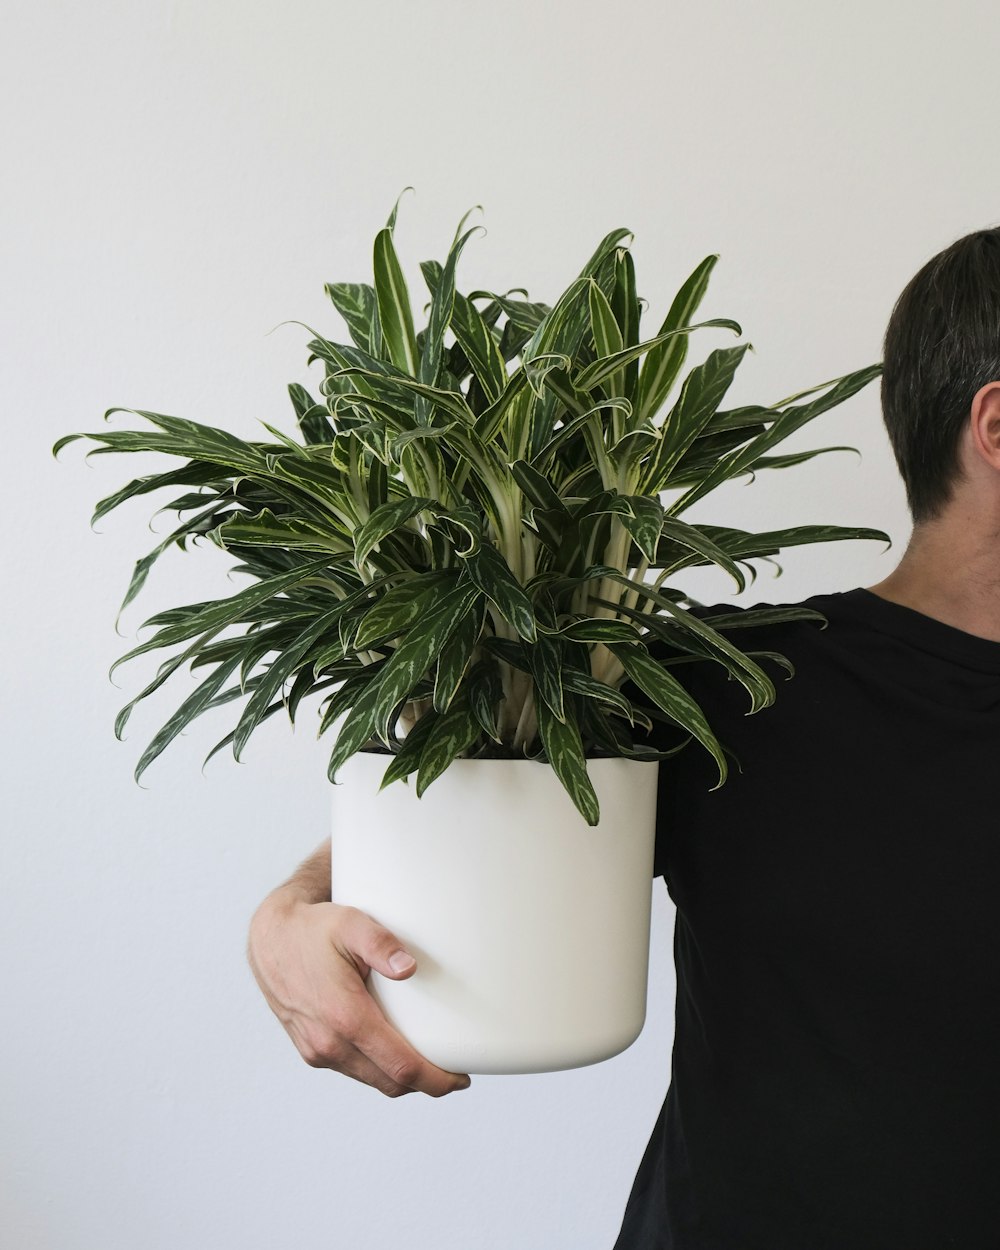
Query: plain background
<point>180,178</point>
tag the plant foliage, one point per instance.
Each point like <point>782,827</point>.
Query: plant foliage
<point>467,545</point>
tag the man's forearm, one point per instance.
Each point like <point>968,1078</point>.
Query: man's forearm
<point>311,880</point>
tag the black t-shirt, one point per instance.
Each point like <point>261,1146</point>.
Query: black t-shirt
<point>835,1077</point>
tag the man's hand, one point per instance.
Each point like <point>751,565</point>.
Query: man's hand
<point>312,960</point>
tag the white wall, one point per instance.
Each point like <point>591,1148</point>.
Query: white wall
<point>180,178</point>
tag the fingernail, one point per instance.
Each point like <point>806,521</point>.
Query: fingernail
<point>400,961</point>
<point>463,1084</point>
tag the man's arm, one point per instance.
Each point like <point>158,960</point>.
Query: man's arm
<point>311,958</point>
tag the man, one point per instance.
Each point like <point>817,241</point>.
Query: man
<point>835,1082</point>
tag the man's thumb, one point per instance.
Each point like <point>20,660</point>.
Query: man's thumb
<point>400,962</point>
<point>380,948</point>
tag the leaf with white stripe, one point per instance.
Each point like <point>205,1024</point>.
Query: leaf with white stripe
<point>663,362</point>
<point>448,738</point>
<point>394,311</point>
<point>223,612</point>
<point>358,727</point>
<point>419,650</point>
<point>670,696</point>
<point>281,668</point>
<point>642,516</point>
<point>564,750</point>
<point>192,706</point>
<point>473,336</point>
<point>442,307</point>
<point>456,656</point>
<point>356,303</point>
<point>546,660</point>
<point>492,574</point>
<point>384,520</point>
<point>407,758</point>
<point>399,607</point>
<point>702,392</point>
<point>600,369</point>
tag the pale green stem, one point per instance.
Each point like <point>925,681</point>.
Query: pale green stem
<point>632,596</point>
<point>527,722</point>
<point>614,556</point>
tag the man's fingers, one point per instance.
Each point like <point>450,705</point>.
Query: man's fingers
<point>392,1054</point>
<point>354,1064</point>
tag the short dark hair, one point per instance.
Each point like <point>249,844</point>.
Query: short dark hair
<point>942,344</point>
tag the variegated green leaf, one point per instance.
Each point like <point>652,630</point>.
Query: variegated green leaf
<point>383,521</point>
<point>546,660</point>
<point>442,306</point>
<point>272,531</point>
<point>607,334</point>
<point>356,303</point>
<point>387,387</point>
<point>485,687</point>
<point>796,457</point>
<point>627,312</point>
<point>281,668</point>
<point>456,656</point>
<point>193,705</point>
<point>394,311</point>
<point>599,629</point>
<point>786,423</point>
<point>670,696</point>
<point>603,368</point>
<point>758,684</point>
<point>492,574</point>
<point>695,539</point>
<point>663,363</point>
<point>358,727</point>
<point>700,396</point>
<point>398,608</point>
<point>407,758</point>
<point>474,337</point>
<point>449,736</point>
<point>643,518</point>
<point>564,751</point>
<point>224,611</point>
<point>419,650</point>
<point>575,682</point>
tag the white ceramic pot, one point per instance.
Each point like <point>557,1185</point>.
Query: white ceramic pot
<point>530,927</point>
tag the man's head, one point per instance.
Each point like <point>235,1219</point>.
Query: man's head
<point>941,347</point>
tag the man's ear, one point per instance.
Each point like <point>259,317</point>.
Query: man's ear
<point>984,424</point>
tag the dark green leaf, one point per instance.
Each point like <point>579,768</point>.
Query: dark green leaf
<point>450,734</point>
<point>419,650</point>
<point>599,629</point>
<point>407,758</point>
<point>456,656</point>
<point>384,520</point>
<point>669,695</point>
<point>492,574</point>
<point>394,311</point>
<point>564,751</point>
<point>192,706</point>
<point>663,362</point>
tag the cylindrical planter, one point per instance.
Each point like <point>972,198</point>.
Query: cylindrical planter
<point>530,927</point>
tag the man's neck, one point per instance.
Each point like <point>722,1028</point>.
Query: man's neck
<point>951,572</point>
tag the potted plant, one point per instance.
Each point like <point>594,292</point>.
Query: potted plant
<point>457,548</point>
